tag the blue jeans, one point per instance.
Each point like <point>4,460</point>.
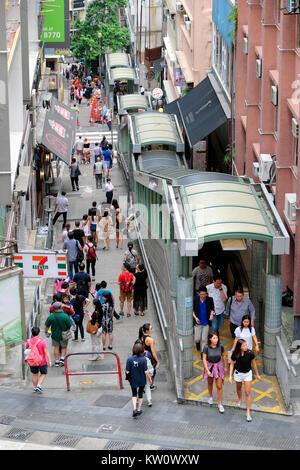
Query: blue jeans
<point>217,322</point>
<point>71,264</point>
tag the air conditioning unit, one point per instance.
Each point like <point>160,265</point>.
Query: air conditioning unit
<point>290,206</point>
<point>245,46</point>
<point>295,128</point>
<point>188,25</point>
<point>255,169</point>
<point>179,6</point>
<point>258,68</point>
<point>265,163</point>
<point>293,6</point>
<point>274,95</point>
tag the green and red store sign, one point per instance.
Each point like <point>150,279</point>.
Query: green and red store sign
<point>47,265</point>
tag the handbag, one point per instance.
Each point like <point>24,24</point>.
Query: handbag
<point>128,376</point>
<point>80,256</point>
<point>92,329</point>
<point>65,335</point>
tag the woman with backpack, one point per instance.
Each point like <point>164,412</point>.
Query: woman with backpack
<point>106,224</point>
<point>79,303</point>
<point>126,282</point>
<point>144,335</point>
<point>131,257</point>
<point>91,256</point>
<point>36,357</point>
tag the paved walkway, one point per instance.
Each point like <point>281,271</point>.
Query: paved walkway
<point>266,395</point>
<point>95,413</point>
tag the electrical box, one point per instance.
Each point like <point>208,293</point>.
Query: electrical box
<point>258,68</point>
<point>274,95</point>
<point>255,169</point>
<point>290,206</point>
<point>179,6</point>
<point>295,128</point>
<point>293,6</point>
<point>188,25</point>
<point>245,46</point>
<point>265,163</point>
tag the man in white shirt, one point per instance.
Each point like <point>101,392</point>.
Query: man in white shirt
<point>61,208</point>
<point>109,189</point>
<point>98,167</point>
<point>218,292</point>
<point>79,148</point>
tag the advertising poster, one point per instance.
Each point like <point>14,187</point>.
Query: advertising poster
<point>59,130</point>
<point>56,28</point>
<point>11,309</point>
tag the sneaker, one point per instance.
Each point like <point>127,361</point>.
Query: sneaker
<point>210,400</point>
<point>61,362</point>
<point>149,403</point>
<point>153,387</point>
<point>57,364</point>
<point>34,390</point>
<point>82,340</point>
<point>221,408</point>
<point>75,340</point>
<point>134,414</point>
<point>39,389</point>
<point>249,419</point>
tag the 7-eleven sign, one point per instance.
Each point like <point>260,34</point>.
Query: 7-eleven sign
<point>48,264</point>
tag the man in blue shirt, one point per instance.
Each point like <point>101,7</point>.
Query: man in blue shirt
<point>203,311</point>
<point>106,161</point>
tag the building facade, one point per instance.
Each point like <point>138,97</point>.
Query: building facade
<point>21,68</point>
<point>268,113</point>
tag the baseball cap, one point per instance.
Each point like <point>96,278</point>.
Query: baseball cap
<point>56,305</point>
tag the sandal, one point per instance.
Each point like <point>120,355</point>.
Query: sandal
<point>142,314</point>
<point>136,313</point>
<point>128,315</point>
<point>110,347</point>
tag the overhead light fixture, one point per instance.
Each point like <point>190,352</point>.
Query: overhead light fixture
<point>42,174</point>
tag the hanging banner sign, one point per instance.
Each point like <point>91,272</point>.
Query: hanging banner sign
<point>42,264</point>
<point>56,27</point>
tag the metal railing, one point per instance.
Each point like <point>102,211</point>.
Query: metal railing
<point>49,239</point>
<point>32,321</point>
<point>284,372</point>
<point>100,372</point>
<point>124,166</point>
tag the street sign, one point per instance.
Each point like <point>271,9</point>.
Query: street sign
<point>42,264</point>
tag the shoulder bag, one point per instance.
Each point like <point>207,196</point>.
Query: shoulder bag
<point>65,335</point>
<point>92,329</point>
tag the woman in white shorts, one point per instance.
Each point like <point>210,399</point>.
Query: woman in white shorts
<point>242,361</point>
<point>246,332</point>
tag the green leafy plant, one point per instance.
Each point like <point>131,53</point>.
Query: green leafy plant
<point>230,154</point>
<point>101,15</point>
<point>233,19</point>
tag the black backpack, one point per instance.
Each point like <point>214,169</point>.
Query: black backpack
<point>82,287</point>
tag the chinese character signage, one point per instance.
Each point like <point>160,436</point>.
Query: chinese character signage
<point>59,130</point>
<point>56,28</point>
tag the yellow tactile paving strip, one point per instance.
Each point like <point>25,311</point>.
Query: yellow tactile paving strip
<point>265,394</point>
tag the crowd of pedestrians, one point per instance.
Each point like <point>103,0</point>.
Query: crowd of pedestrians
<point>210,305</point>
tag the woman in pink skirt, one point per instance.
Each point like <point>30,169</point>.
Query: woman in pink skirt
<point>215,367</point>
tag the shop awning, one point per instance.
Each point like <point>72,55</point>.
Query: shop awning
<point>200,110</point>
<point>59,130</point>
